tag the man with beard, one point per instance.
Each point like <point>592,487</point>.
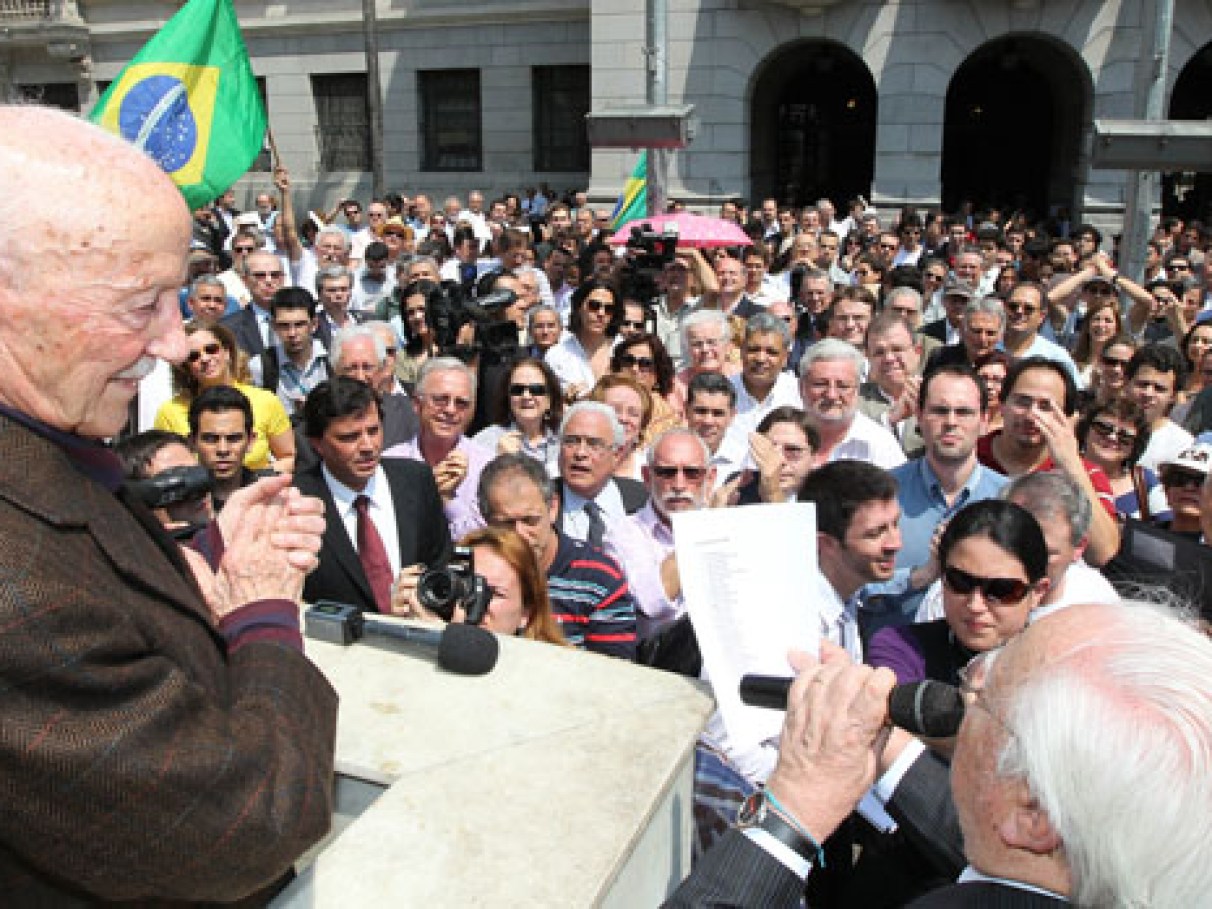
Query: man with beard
<point>829,382</point>
<point>678,478</point>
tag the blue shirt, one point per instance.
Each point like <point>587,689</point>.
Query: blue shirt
<point>923,507</point>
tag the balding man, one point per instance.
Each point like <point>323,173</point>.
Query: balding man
<point>1076,780</point>
<point>143,759</point>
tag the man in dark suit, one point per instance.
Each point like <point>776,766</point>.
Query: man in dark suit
<point>956,295</point>
<point>165,738</point>
<point>1076,767</point>
<point>253,325</point>
<point>375,510</point>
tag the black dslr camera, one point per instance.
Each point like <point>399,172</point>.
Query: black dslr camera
<point>649,253</point>
<point>440,590</point>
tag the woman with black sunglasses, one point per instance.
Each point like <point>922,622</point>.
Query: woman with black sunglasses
<point>994,562</point>
<point>644,358</point>
<point>1113,435</point>
<point>526,414</point>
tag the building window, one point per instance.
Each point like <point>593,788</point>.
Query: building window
<point>263,162</point>
<point>560,102</point>
<point>343,122</point>
<point>450,119</point>
<point>63,95</point>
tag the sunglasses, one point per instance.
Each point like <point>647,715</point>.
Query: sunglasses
<point>534,389</point>
<point>1101,290</point>
<point>668,472</point>
<point>1115,361</point>
<point>243,249</point>
<point>599,306</point>
<point>265,275</point>
<point>1181,479</point>
<point>209,349</point>
<point>1028,308</point>
<point>995,591</point>
<point>627,323</point>
<point>1109,432</point>
<point>631,360</point>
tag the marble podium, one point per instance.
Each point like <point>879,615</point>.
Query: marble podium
<point>561,778</point>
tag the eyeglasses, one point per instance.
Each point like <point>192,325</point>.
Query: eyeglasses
<point>265,275</point>
<point>995,591</point>
<point>669,471</point>
<point>599,306</point>
<point>629,361</point>
<point>1182,479</point>
<point>597,446</point>
<point>1122,363</point>
<point>1027,308</point>
<point>1101,290</point>
<point>1111,433</point>
<point>792,453</point>
<point>931,276</point>
<point>534,389</point>
<point>628,323</point>
<point>209,349</point>
<point>822,385</point>
<point>442,402</point>
<point>243,249</point>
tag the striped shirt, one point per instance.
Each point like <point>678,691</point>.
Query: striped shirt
<point>590,599</point>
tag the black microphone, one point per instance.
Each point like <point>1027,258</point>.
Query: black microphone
<point>929,708</point>
<point>462,649</point>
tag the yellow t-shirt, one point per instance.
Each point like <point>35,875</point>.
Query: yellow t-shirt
<point>269,420</point>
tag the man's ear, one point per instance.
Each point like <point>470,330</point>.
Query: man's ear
<point>1080,549</point>
<point>1026,826</point>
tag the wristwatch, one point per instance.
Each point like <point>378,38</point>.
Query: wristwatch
<point>756,812</point>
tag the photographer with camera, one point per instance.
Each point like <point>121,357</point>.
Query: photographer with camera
<point>492,580</point>
<point>163,473</point>
<point>383,518</point>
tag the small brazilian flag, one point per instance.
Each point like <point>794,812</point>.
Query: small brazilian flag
<point>633,203</point>
<point>190,101</point>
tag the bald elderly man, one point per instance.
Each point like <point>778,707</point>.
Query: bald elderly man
<point>164,737</point>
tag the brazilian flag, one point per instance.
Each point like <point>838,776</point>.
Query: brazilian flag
<point>633,203</point>
<point>190,101</point>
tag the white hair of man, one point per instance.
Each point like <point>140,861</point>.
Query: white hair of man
<point>332,273</point>
<point>345,335</point>
<point>252,232</point>
<point>538,310</point>
<point>830,349</point>
<point>704,317</point>
<point>990,305</point>
<point>1048,494</point>
<point>764,323</point>
<point>406,263</point>
<point>1114,740</point>
<point>332,230</point>
<point>678,432</point>
<point>435,365</point>
<point>908,293</point>
<point>604,410</point>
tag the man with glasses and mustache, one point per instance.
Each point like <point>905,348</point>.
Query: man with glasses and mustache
<point>829,382</point>
<point>246,241</point>
<point>446,398</point>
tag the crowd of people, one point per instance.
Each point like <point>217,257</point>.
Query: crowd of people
<point>978,407</point>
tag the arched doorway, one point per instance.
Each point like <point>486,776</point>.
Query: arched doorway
<point>1189,195</point>
<point>812,130</point>
<point>1013,126</point>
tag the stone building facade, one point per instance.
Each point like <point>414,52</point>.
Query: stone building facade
<point>916,101</point>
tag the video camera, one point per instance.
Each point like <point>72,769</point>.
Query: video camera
<point>448,308</point>
<point>173,486</point>
<point>440,590</point>
<point>649,253</point>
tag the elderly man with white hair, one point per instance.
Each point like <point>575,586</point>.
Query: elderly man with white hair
<point>829,383</point>
<point>446,399</point>
<point>1079,777</point>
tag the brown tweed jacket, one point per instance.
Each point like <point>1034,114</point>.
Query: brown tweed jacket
<point>137,760</point>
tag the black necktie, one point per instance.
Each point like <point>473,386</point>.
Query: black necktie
<point>597,526</point>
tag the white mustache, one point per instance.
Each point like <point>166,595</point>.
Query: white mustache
<point>140,370</point>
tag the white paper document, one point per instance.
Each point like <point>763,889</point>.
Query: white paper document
<point>749,577</point>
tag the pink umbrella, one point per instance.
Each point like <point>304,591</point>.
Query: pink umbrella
<point>693,230</point>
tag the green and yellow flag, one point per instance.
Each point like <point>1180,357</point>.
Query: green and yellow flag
<point>633,203</point>
<point>190,101</point>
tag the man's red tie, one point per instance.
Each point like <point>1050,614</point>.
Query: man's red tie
<point>373,555</point>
